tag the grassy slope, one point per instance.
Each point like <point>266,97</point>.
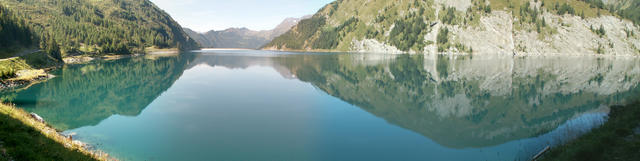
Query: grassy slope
<point>579,6</point>
<point>615,140</point>
<point>21,138</point>
<point>334,21</point>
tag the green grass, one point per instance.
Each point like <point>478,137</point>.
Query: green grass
<point>579,7</point>
<point>615,140</point>
<point>23,139</point>
<point>549,5</point>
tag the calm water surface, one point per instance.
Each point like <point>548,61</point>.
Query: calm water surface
<point>258,105</point>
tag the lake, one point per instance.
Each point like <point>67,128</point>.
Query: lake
<point>264,105</point>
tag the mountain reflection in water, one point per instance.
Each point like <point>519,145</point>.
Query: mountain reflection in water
<point>464,101</point>
<point>469,105</point>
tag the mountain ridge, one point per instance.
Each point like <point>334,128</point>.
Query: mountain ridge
<point>102,27</point>
<point>241,37</point>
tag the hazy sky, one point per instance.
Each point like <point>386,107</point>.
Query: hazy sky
<point>204,15</point>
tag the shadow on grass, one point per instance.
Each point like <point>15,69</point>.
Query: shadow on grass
<point>615,140</point>
<point>40,60</point>
<point>22,142</point>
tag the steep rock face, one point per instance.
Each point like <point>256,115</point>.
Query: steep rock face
<point>522,27</point>
<point>495,33</point>
<point>241,37</point>
<point>575,37</point>
<point>105,26</point>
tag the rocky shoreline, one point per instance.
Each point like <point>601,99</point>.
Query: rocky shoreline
<point>43,76</point>
<point>86,59</point>
<point>28,77</point>
<point>32,120</point>
<point>18,83</point>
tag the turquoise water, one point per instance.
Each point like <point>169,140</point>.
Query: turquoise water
<point>259,105</point>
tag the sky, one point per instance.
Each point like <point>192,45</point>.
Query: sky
<point>205,15</point>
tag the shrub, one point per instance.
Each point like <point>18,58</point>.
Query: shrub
<point>443,35</point>
<point>600,31</point>
<point>629,32</point>
<point>449,17</point>
<point>566,8</point>
<point>487,9</point>
<point>443,39</point>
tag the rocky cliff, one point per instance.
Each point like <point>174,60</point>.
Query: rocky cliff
<point>527,27</point>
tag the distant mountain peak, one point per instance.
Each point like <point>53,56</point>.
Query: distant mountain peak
<point>242,37</point>
<point>287,24</point>
<point>236,28</point>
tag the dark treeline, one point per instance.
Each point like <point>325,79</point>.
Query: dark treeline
<point>14,32</point>
<point>330,38</point>
<point>17,34</point>
<point>632,12</point>
<point>629,11</point>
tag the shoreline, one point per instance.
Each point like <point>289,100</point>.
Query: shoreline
<point>22,73</point>
<point>9,84</point>
<point>79,59</point>
<point>454,53</point>
<point>217,49</point>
